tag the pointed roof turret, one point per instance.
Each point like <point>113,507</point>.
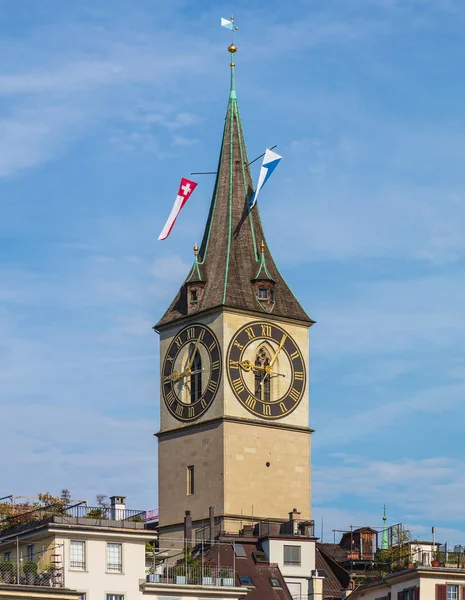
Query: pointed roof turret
<point>230,257</point>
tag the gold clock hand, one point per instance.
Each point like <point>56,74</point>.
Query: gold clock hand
<point>280,347</point>
<point>189,364</point>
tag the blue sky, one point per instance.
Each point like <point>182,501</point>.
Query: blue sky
<point>104,105</point>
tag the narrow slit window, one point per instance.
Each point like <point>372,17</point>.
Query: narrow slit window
<point>190,480</point>
<point>194,296</point>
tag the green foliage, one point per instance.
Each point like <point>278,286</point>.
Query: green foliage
<point>21,513</point>
<point>96,513</point>
<point>397,556</point>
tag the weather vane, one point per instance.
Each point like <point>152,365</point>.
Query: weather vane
<point>229,24</point>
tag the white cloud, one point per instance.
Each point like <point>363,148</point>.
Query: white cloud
<point>419,493</point>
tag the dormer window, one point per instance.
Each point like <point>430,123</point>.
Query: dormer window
<point>263,293</point>
<point>194,296</point>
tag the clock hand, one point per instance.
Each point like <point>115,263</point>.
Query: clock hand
<point>246,365</point>
<point>175,376</point>
<point>189,364</point>
<point>280,347</point>
<point>275,356</point>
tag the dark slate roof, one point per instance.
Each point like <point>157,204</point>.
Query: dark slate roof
<point>334,551</point>
<point>337,578</point>
<point>229,256</point>
<point>261,573</point>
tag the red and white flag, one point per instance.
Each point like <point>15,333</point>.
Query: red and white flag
<point>186,188</point>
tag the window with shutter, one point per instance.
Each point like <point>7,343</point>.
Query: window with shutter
<point>441,591</point>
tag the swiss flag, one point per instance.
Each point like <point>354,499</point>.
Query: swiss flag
<point>186,187</point>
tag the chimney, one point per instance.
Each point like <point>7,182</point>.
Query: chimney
<point>188,528</point>
<point>211,512</point>
<point>294,518</point>
<point>117,508</point>
<point>316,585</point>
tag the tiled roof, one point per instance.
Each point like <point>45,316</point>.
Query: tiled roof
<point>337,578</point>
<point>334,551</point>
<point>229,256</point>
<point>261,573</point>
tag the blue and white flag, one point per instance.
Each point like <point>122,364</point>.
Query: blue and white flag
<point>270,162</point>
<point>227,24</point>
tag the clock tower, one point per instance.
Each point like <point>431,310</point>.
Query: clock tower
<point>234,412</point>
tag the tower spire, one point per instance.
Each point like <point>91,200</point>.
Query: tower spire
<point>232,49</point>
<point>384,539</point>
<point>230,260</point>
<point>232,92</point>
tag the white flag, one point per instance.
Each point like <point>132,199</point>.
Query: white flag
<point>226,23</point>
<point>270,162</point>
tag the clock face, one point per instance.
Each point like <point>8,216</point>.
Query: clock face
<point>266,370</point>
<point>191,372</point>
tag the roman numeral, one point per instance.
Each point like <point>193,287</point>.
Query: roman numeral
<point>282,406</point>
<point>238,385</point>
<point>211,387</point>
<point>266,410</point>
<point>250,332</point>
<point>190,412</point>
<point>203,403</point>
<point>266,330</point>
<point>170,398</point>
<point>190,333</point>
<point>251,402</point>
<point>294,394</point>
<point>212,346</point>
<point>233,365</point>
<point>170,358</point>
<point>240,346</point>
<point>179,410</point>
<point>299,375</point>
<point>215,365</point>
<point>167,379</point>
<point>294,355</point>
<point>178,341</point>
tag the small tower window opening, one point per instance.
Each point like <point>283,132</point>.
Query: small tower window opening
<point>190,480</point>
<point>262,379</point>
<point>194,296</point>
<point>196,377</point>
<point>263,293</point>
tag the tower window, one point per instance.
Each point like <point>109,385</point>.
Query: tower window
<point>190,480</point>
<point>262,379</point>
<point>196,378</point>
<point>263,293</point>
<point>194,296</point>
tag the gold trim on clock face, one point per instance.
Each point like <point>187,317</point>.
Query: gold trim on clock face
<point>191,372</point>
<point>266,370</point>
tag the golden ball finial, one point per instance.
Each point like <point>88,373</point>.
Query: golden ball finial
<point>196,249</point>
<point>232,48</point>
<point>263,246</point>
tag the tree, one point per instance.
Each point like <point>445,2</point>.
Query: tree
<point>397,555</point>
<point>66,495</point>
<point>102,500</point>
<point>21,513</point>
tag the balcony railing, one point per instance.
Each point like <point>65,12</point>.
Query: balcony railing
<point>181,575</point>
<point>45,568</point>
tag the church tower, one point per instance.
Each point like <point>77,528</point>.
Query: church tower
<point>234,364</point>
